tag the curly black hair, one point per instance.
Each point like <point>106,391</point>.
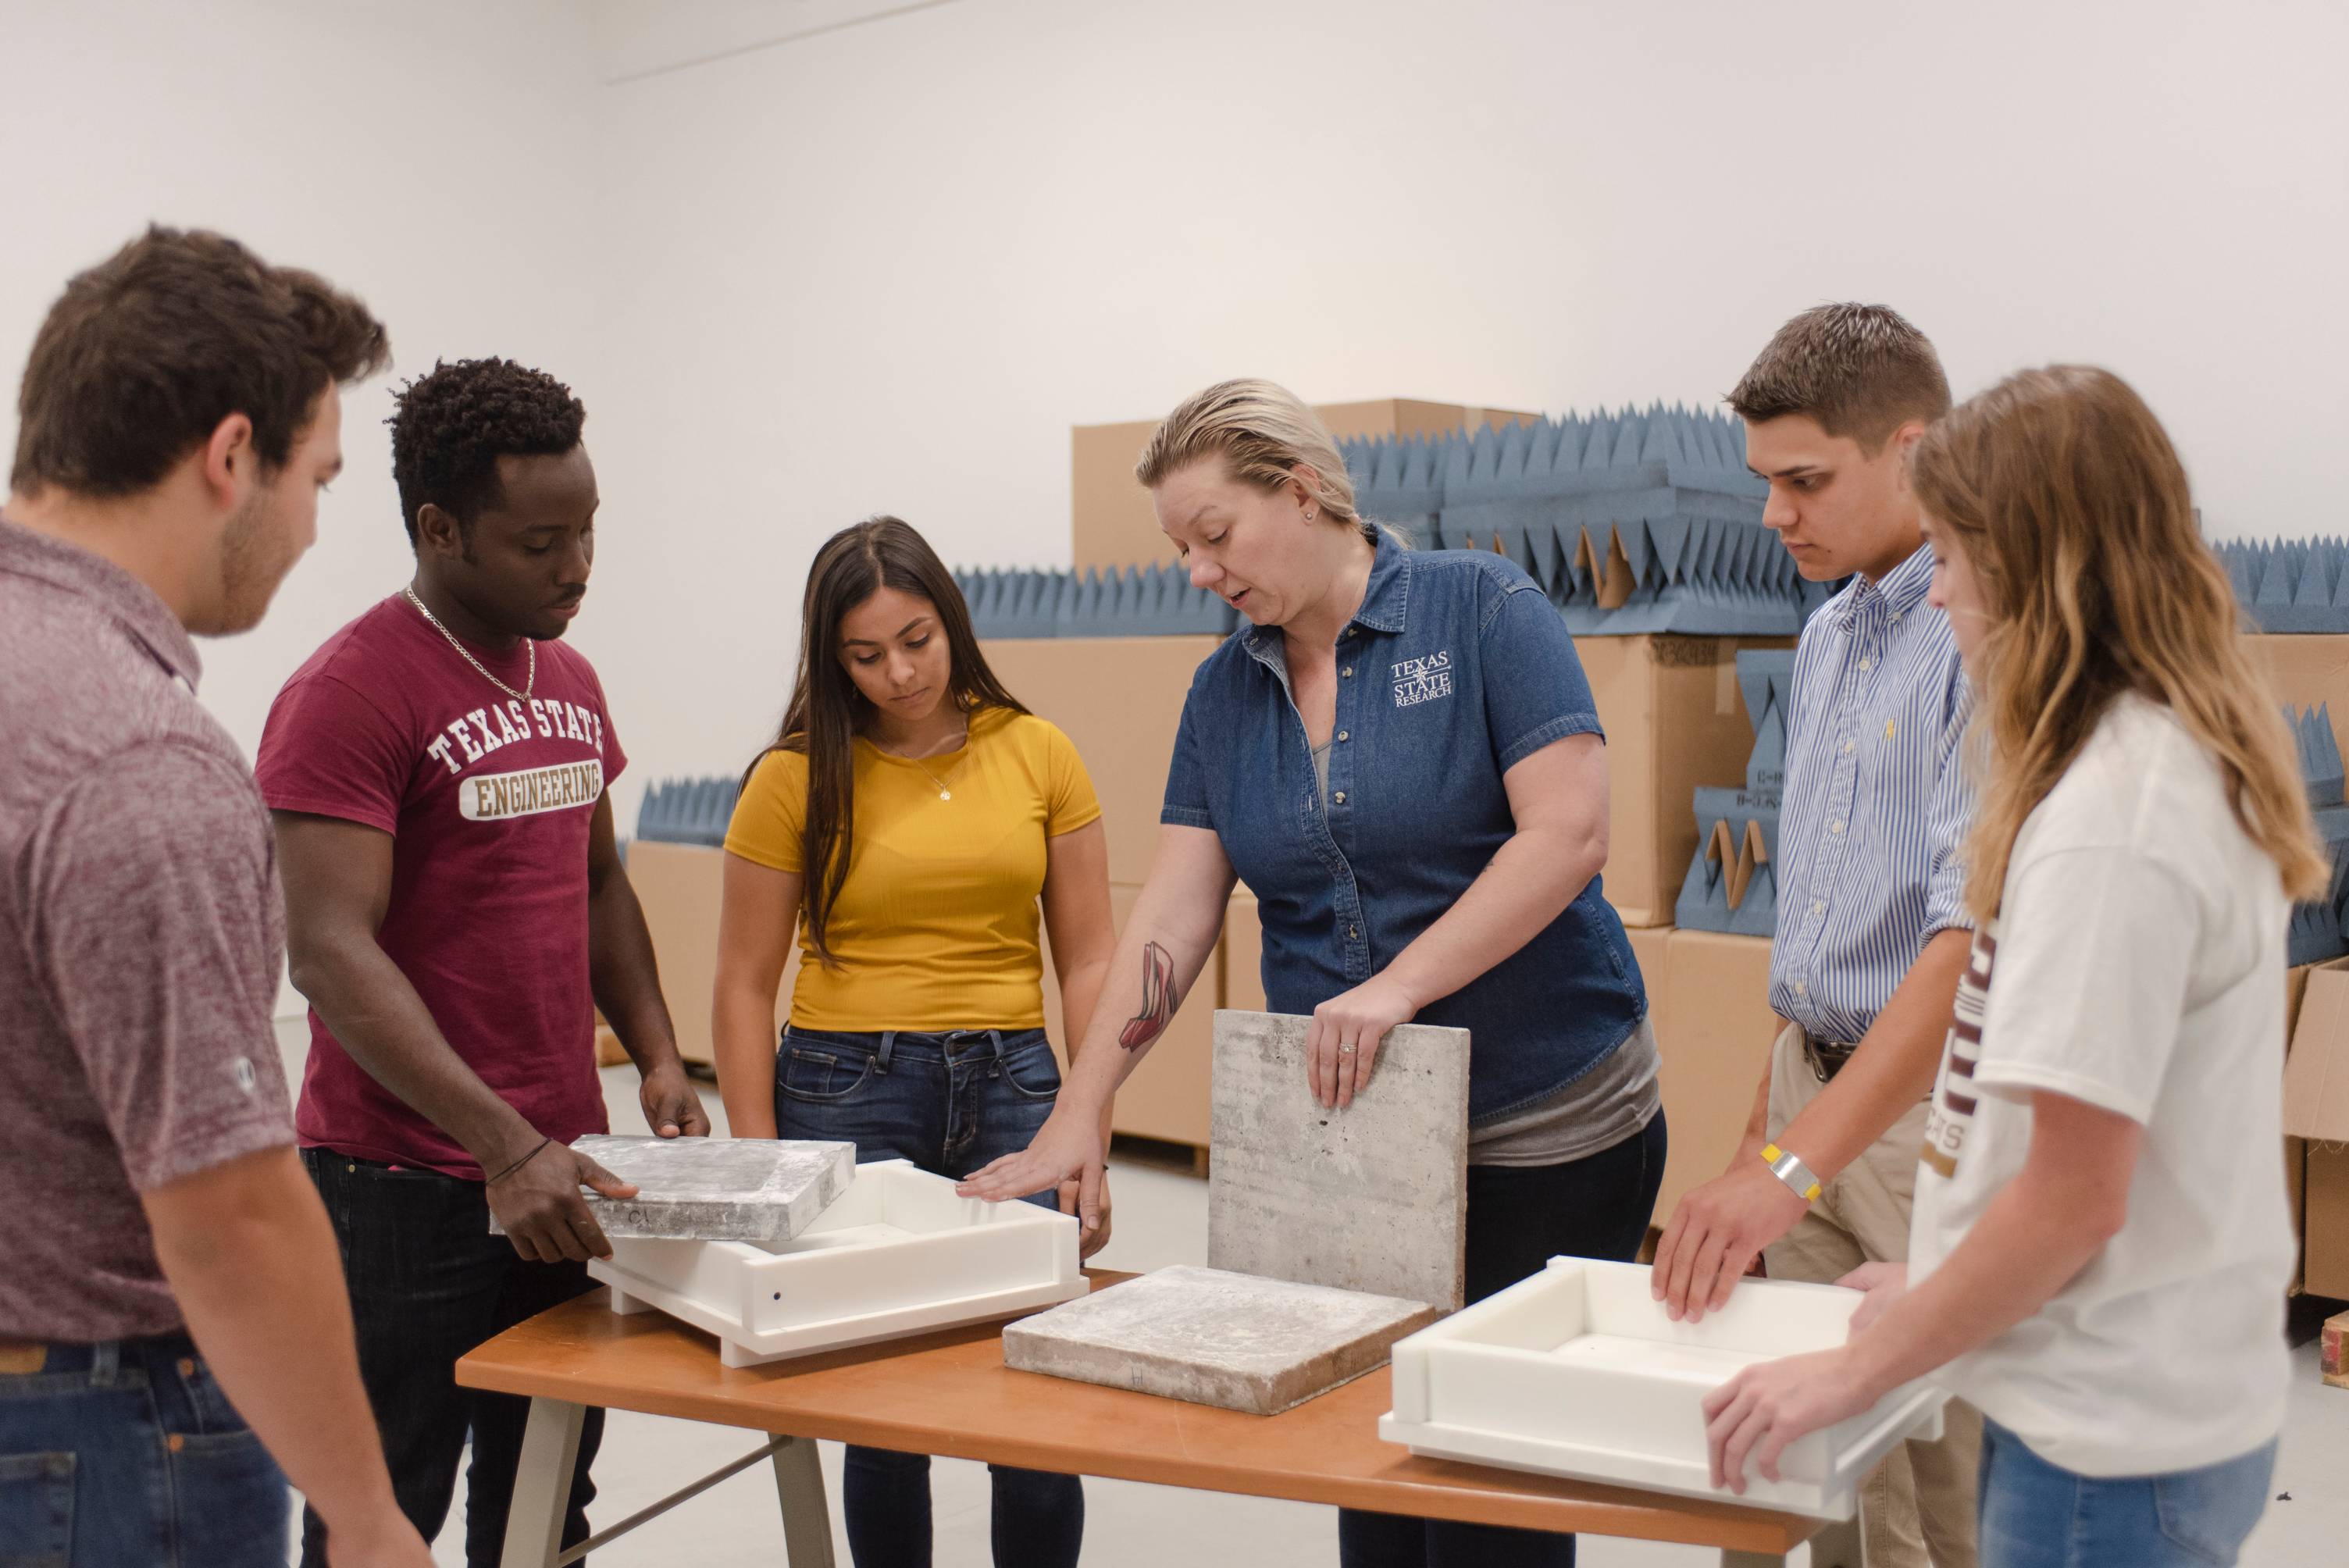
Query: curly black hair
<point>450,428</point>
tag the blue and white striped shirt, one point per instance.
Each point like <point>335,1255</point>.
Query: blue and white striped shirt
<point>1876,802</point>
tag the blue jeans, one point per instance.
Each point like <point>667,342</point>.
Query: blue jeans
<point>1518,1219</point>
<point>126,1452</point>
<point>2038,1515</point>
<point>950,1103</point>
<point>428,1283</point>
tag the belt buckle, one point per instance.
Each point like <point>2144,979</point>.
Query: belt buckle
<point>1820,1064</point>
<point>21,1359</point>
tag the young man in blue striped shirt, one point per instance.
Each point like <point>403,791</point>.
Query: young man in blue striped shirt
<point>1871,931</point>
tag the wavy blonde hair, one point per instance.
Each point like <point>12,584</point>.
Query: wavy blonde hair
<point>1263,431</point>
<point>2072,507</point>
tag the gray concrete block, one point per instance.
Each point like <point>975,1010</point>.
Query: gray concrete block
<point>763,1191</point>
<point>1234,1341</point>
<point>1371,1198</point>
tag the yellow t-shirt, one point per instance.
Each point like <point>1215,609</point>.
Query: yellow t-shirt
<point>936,927</point>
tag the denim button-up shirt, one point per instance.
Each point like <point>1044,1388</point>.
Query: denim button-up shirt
<point>1454,669</point>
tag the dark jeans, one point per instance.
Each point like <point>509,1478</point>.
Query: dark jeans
<point>127,1451</point>
<point>428,1283</point>
<point>950,1103</point>
<point>1518,1219</point>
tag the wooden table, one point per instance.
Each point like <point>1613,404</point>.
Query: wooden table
<point>949,1393</point>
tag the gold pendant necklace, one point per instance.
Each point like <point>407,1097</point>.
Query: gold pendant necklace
<point>940,784</point>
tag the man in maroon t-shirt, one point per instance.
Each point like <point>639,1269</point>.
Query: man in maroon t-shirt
<point>456,910</point>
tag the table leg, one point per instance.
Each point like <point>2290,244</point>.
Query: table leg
<point>1837,1545</point>
<point>807,1518</point>
<point>542,1489</point>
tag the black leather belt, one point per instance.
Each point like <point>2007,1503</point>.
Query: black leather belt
<point>1827,1057</point>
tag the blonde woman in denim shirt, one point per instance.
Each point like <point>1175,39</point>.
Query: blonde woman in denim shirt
<point>1400,757</point>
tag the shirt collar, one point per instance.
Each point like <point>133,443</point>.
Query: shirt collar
<point>1901,590</point>
<point>1384,599</point>
<point>128,601</point>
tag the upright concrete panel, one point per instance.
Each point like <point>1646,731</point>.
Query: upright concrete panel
<point>1371,1198</point>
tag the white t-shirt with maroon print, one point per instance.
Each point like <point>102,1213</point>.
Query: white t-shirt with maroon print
<point>2136,966</point>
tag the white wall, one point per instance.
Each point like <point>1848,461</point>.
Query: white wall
<point>431,156</point>
<point>886,266</point>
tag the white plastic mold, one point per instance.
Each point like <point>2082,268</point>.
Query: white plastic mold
<point>898,1254</point>
<point>1577,1372</point>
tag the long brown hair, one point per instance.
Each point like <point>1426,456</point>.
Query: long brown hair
<point>2072,507</point>
<point>827,711</point>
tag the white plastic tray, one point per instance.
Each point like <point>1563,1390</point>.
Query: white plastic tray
<point>1577,1372</point>
<point>897,1254</point>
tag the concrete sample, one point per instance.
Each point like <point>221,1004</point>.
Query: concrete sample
<point>1257,1346</point>
<point>1371,1198</point>
<point>758,1189</point>
<point>1577,1372</point>
<point>898,1254</point>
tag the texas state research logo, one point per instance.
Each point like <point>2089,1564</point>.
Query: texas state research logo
<point>1422,679</point>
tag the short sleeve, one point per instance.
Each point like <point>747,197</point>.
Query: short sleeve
<point>770,813</point>
<point>1949,817</point>
<point>1535,690</point>
<point>2088,979</point>
<point>615,759</point>
<point>1186,778</point>
<point>330,751</point>
<point>1071,802</point>
<point>153,923</point>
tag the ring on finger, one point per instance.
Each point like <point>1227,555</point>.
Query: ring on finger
<point>1346,1050</point>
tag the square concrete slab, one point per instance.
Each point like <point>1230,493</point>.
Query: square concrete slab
<point>759,1190</point>
<point>1371,1198</point>
<point>1258,1345</point>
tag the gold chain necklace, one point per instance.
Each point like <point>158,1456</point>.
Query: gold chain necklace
<point>944,793</point>
<point>466,654</point>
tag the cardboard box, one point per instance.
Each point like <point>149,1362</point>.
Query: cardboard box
<point>1169,1095</point>
<point>679,887</point>
<point>2305,671</point>
<point>1112,522</point>
<point>1119,700</point>
<point>2332,1350</point>
<point>2316,1109</point>
<point>1711,996</point>
<point>1244,955</point>
<point>1674,720</point>
<point>2295,1149</point>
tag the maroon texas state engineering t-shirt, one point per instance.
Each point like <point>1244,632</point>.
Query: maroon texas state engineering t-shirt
<point>487,801</point>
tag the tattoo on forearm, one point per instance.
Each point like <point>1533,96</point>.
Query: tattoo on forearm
<point>1158,999</point>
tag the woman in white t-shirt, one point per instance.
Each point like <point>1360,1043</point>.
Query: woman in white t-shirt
<point>2102,1243</point>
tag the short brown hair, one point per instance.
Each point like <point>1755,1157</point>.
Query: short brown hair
<point>146,353</point>
<point>1860,370</point>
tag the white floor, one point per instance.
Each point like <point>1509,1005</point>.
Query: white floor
<point>1160,1218</point>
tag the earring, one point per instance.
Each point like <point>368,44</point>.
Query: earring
<point>1311,514</point>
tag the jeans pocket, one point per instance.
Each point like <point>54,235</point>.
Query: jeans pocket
<point>229,1499</point>
<point>819,1077</point>
<point>2210,1512</point>
<point>36,1509</point>
<point>1033,1071</point>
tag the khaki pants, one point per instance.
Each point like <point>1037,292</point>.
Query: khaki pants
<point>1921,1497</point>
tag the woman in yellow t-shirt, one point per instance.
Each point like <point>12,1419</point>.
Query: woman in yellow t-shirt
<point>935,811</point>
